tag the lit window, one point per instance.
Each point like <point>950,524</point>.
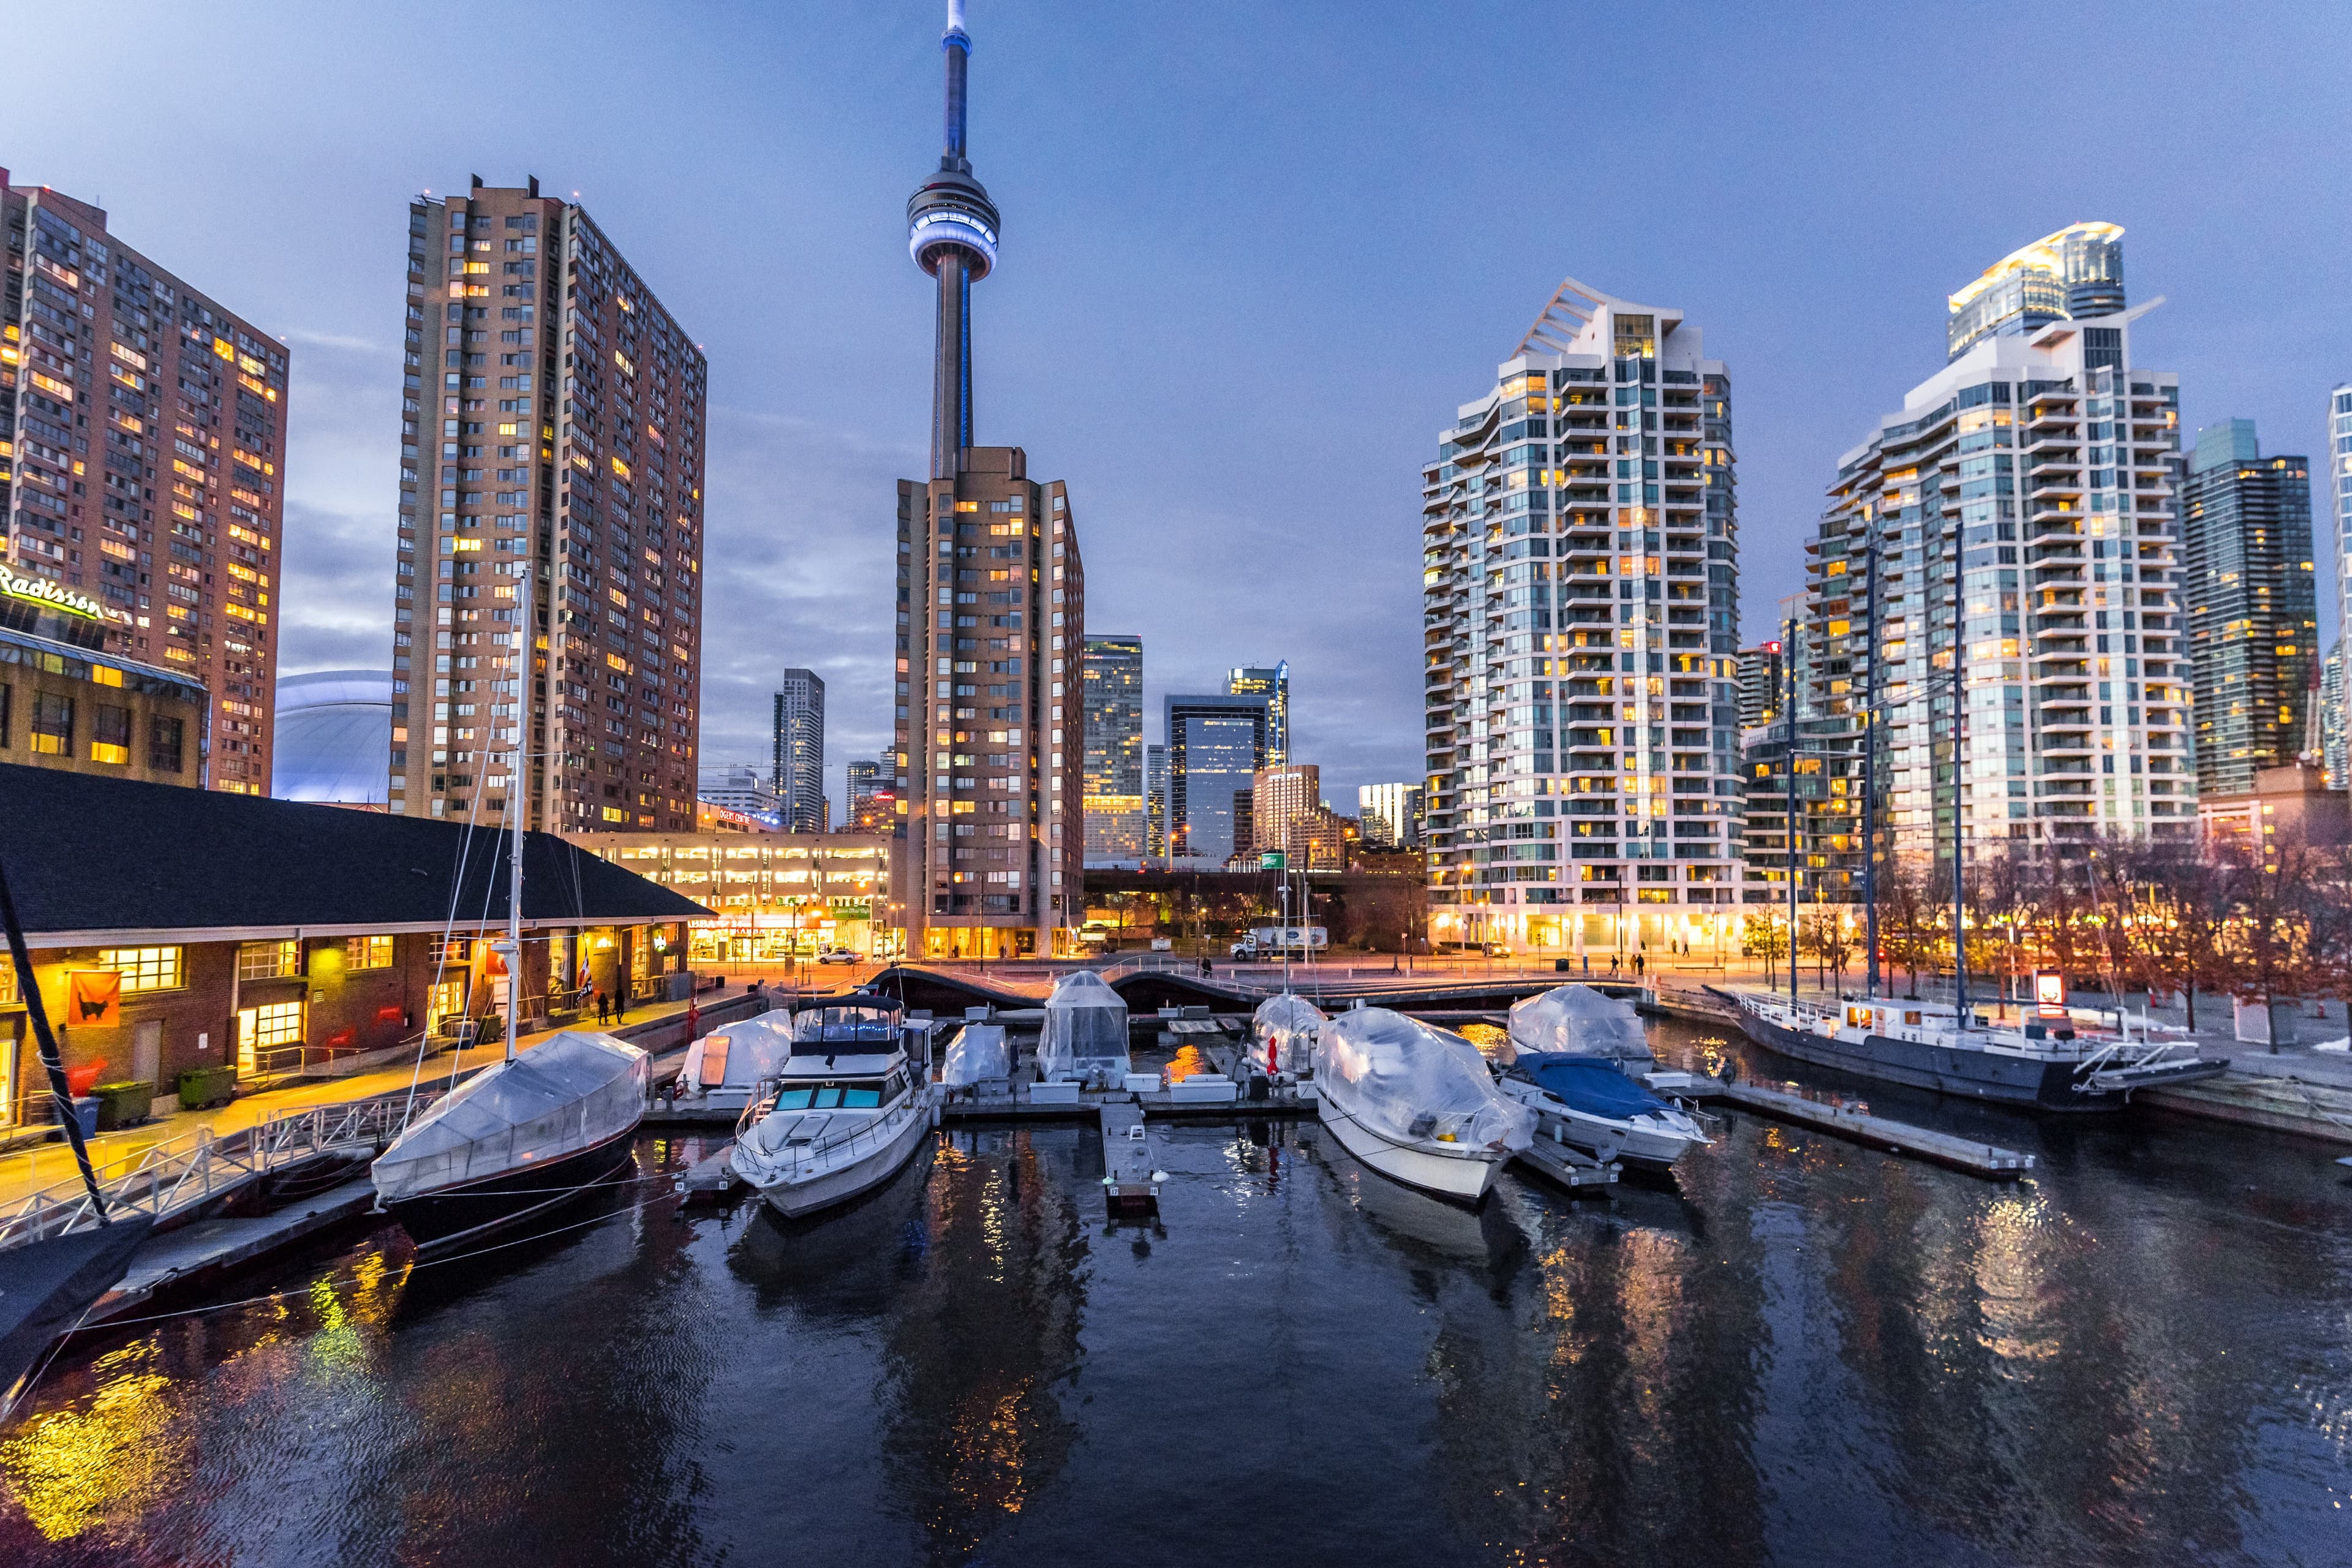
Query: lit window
<point>143,968</point>
<point>278,1023</point>
<point>267,960</point>
<point>367,953</point>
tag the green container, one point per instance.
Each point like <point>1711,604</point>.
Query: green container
<point>123,1105</point>
<point>200,1087</point>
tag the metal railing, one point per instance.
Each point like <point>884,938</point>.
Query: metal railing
<point>881,1129</point>
<point>181,1173</point>
<point>1142,964</point>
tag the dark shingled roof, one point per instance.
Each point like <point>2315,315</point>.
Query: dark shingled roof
<point>88,854</point>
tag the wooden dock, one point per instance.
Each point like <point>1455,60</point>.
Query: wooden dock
<point>1874,1131</point>
<point>709,1179</point>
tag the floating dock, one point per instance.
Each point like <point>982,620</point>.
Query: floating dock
<point>1130,1177</point>
<point>1875,1131</point>
<point>1572,1168</point>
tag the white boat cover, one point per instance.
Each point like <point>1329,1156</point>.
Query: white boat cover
<point>1282,1034</point>
<point>978,1051</point>
<point>1085,1033</point>
<point>1412,1083</point>
<point>737,1056</point>
<point>571,1093</point>
<point>1581,1021</point>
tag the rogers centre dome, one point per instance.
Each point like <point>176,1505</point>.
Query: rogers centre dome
<point>334,737</point>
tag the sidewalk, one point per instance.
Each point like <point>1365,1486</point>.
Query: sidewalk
<point>655,1026</point>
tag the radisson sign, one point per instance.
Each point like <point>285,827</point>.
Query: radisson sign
<point>43,592</point>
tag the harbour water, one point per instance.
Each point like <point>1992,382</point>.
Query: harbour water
<point>1808,1352</point>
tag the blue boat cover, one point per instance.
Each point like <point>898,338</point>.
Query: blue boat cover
<point>1590,1083</point>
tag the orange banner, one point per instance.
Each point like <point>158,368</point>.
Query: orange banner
<point>93,998</point>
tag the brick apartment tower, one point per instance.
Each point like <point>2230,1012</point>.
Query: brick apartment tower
<point>990,634</point>
<point>142,432</point>
<point>552,432</point>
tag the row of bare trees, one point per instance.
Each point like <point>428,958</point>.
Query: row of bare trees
<point>2124,916</point>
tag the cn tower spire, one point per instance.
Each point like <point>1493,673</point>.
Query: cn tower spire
<point>951,229</point>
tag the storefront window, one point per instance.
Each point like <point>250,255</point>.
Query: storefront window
<point>269,960</point>
<point>143,968</point>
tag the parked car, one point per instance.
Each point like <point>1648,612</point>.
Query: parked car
<point>838,955</point>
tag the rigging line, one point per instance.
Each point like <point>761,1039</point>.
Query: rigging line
<point>441,955</point>
<point>475,971</point>
<point>414,1264</point>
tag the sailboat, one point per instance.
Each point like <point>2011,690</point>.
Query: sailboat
<point>1415,1103</point>
<point>529,1133</point>
<point>48,1285</point>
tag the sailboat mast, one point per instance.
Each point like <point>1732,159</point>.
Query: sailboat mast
<point>1959,768</point>
<point>518,811</point>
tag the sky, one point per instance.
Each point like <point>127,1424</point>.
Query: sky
<point>1254,259</point>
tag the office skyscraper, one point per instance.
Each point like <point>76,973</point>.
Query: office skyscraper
<point>1390,815</point>
<point>991,629</point>
<point>1114,751</point>
<point>551,434</point>
<point>800,750</point>
<point>148,424</point>
<point>1273,683</point>
<point>1155,805</point>
<point>2251,604</point>
<point>1580,612</point>
<point>2028,484</point>
<point>1216,744</point>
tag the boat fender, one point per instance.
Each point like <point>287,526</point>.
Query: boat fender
<point>1158,1177</point>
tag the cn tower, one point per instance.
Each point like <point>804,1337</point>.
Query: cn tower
<point>952,234</point>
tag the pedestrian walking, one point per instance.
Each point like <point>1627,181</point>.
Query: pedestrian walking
<point>1640,964</point>
<point>603,1006</point>
<point>693,1021</point>
<point>1588,966</point>
<point>1612,966</point>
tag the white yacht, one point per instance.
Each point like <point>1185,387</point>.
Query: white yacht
<point>724,1068</point>
<point>844,1112</point>
<point>1415,1103</point>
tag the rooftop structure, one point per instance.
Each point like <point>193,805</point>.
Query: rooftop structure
<point>2074,273</point>
<point>332,728</point>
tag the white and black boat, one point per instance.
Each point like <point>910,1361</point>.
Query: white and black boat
<point>1587,1102</point>
<point>1415,1103</point>
<point>1282,1038</point>
<point>2048,1064</point>
<point>516,1139</point>
<point>844,1112</point>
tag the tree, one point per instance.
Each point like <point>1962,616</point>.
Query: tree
<point>1765,937</point>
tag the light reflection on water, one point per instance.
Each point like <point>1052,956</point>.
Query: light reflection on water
<point>1809,1352</point>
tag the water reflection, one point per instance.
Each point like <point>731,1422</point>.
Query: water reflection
<point>1800,1352</point>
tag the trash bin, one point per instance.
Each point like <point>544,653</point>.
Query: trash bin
<point>123,1105</point>
<point>86,1112</point>
<point>200,1087</point>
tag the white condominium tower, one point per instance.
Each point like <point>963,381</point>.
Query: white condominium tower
<point>2339,499</point>
<point>2040,465</point>
<point>1580,609</point>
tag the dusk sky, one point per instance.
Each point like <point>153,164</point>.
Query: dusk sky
<point>1252,259</point>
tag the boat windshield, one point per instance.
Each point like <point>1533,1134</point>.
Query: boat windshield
<point>840,1029</point>
<point>850,1094</point>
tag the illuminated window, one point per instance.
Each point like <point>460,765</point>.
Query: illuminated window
<point>278,1023</point>
<point>367,953</point>
<point>143,968</point>
<point>109,735</point>
<point>267,960</point>
<point>52,726</point>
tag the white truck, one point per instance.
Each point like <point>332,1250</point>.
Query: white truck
<point>1273,942</point>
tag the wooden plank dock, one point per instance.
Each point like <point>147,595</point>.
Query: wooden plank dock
<point>1572,1168</point>
<point>1130,1186</point>
<point>1986,1160</point>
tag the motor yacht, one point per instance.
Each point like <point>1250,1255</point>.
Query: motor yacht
<point>1587,1102</point>
<point>842,1114</point>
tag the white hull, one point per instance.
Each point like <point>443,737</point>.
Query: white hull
<point>1629,1143</point>
<point>796,1192</point>
<point>1463,1177</point>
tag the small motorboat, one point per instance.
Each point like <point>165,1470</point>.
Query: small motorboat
<point>515,1139</point>
<point>1084,1038</point>
<point>1580,1020</point>
<point>1587,1102</point>
<point>841,1115</point>
<point>979,1054</point>
<point>723,1069</point>
<point>1414,1103</point>
<point>1282,1038</point>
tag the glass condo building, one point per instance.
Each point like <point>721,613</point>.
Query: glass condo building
<point>1580,609</point>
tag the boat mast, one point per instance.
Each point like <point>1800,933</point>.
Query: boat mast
<point>1788,717</point>
<point>518,810</point>
<point>1870,757</point>
<point>1959,823</point>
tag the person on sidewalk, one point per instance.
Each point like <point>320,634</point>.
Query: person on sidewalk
<point>693,1022</point>
<point>1640,964</point>
<point>604,1007</point>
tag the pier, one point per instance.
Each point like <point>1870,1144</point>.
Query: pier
<point>1986,1160</point>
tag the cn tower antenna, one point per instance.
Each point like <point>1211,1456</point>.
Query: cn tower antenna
<point>951,229</point>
